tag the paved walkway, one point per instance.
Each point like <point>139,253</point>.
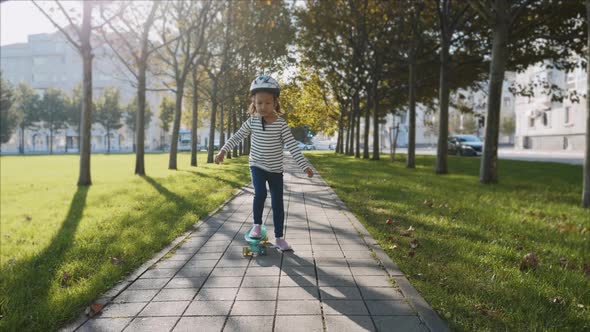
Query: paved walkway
<point>336,279</point>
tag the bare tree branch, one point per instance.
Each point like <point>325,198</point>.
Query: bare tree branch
<point>62,30</point>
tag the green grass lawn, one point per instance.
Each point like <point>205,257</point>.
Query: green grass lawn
<point>472,237</point>
<point>57,240</point>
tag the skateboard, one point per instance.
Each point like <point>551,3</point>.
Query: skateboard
<point>256,245</point>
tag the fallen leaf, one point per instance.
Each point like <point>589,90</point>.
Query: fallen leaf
<point>411,253</point>
<point>64,279</point>
<point>529,260</point>
<point>389,221</point>
<point>94,309</point>
<point>414,244</point>
<point>587,269</point>
<point>116,261</point>
<point>558,300</point>
<point>393,246</point>
<point>519,247</point>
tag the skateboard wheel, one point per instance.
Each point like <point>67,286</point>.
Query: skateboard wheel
<point>246,251</point>
<point>263,251</point>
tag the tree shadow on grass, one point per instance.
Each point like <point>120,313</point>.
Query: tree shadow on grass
<point>28,282</point>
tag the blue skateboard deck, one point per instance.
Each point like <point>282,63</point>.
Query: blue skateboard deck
<point>256,245</point>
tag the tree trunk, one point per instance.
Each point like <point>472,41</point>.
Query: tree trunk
<point>140,120</point>
<point>367,125</point>
<point>51,139</point>
<point>411,159</point>
<point>235,129</point>
<point>443,132</point>
<point>21,146</point>
<point>176,125</point>
<point>195,122</point>
<point>376,118</point>
<point>357,152</point>
<point>210,152</point>
<point>488,172</point>
<point>221,120</point>
<point>108,141</point>
<point>229,116</point>
<point>339,142</point>
<point>86,120</point>
<point>586,191</point>
<point>350,130</point>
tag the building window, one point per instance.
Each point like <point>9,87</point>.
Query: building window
<point>546,119</point>
<point>531,122</point>
<point>565,143</point>
<point>567,115</point>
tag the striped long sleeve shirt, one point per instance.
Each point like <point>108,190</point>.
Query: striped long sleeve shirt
<point>266,150</point>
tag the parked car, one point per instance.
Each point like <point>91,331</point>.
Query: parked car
<point>465,145</point>
<point>309,146</point>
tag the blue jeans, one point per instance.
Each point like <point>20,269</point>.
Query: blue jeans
<point>275,183</point>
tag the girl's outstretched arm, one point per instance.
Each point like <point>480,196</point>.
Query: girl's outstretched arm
<point>234,140</point>
<point>289,140</point>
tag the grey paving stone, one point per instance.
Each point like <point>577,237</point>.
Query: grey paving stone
<point>368,271</point>
<point>158,273</point>
<point>216,294</point>
<point>328,253</point>
<point>181,282</point>
<point>340,293</point>
<point>334,270</point>
<point>379,281</point>
<point>298,270</point>
<point>248,324</point>
<point>144,324</point>
<point>262,308</point>
<point>208,308</point>
<point>298,323</point>
<point>389,308</point>
<point>263,271</point>
<point>261,281</point>
<point>149,283</point>
<point>297,281</point>
<point>205,249</point>
<point>252,294</point>
<point>201,263</point>
<point>104,325</point>
<point>237,262</point>
<point>340,323</point>
<point>402,323</point>
<point>322,262</point>
<point>180,257</point>
<point>139,295</point>
<point>329,280</point>
<point>207,255</point>
<point>228,271</point>
<point>222,282</point>
<point>122,309</point>
<point>344,307</point>
<point>381,293</point>
<point>325,247</point>
<point>299,307</point>
<point>180,294</point>
<point>170,308</point>
<point>194,271</point>
<point>192,324</point>
<point>359,255</point>
<point>169,264</point>
<point>298,293</point>
<point>290,260</point>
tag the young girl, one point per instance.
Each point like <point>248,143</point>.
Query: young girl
<point>269,134</point>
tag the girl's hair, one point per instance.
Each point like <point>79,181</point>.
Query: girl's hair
<point>252,108</point>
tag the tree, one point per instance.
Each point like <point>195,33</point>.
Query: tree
<point>78,34</point>
<point>131,44</point>
<point>53,112</point>
<point>523,33</point>
<point>8,116</point>
<point>74,110</point>
<point>108,113</point>
<point>166,113</point>
<point>26,107</point>
<point>130,118</point>
<point>191,20</point>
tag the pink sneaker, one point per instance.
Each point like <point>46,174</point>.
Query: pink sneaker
<point>255,232</point>
<point>282,244</point>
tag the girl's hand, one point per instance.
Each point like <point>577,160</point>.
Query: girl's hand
<point>309,172</point>
<point>219,157</point>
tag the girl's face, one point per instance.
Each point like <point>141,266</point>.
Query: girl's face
<point>264,103</point>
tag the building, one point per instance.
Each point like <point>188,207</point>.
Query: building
<point>543,124</point>
<point>48,60</point>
